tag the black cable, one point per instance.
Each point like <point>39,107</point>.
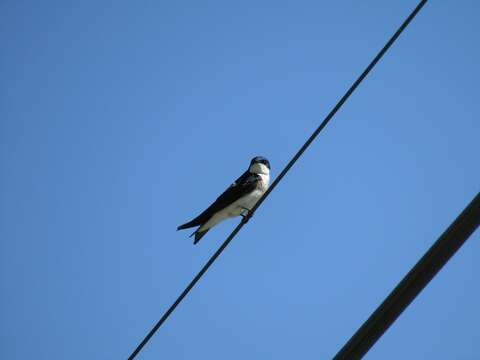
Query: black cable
<point>279,177</point>
<point>413,283</point>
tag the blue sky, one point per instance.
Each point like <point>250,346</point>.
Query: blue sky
<point>121,120</point>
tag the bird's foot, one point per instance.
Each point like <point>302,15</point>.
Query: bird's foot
<point>246,215</point>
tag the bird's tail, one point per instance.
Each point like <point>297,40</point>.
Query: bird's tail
<point>198,235</point>
<point>189,224</point>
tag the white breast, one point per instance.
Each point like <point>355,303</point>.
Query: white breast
<point>265,181</point>
<point>249,201</point>
<point>239,206</point>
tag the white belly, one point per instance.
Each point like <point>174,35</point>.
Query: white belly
<point>239,206</point>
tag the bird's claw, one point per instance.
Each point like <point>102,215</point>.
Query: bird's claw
<point>247,215</point>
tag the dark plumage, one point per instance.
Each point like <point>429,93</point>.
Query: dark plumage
<point>244,185</point>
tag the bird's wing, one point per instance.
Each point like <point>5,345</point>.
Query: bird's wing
<point>242,186</point>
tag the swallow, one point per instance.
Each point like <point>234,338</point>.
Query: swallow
<point>237,200</point>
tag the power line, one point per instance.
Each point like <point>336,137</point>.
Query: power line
<point>279,177</point>
<point>413,283</point>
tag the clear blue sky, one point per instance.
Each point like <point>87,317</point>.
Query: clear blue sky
<point>121,120</point>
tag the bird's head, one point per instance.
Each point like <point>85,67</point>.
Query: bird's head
<point>259,165</point>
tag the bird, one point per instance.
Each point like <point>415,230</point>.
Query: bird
<point>237,200</point>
